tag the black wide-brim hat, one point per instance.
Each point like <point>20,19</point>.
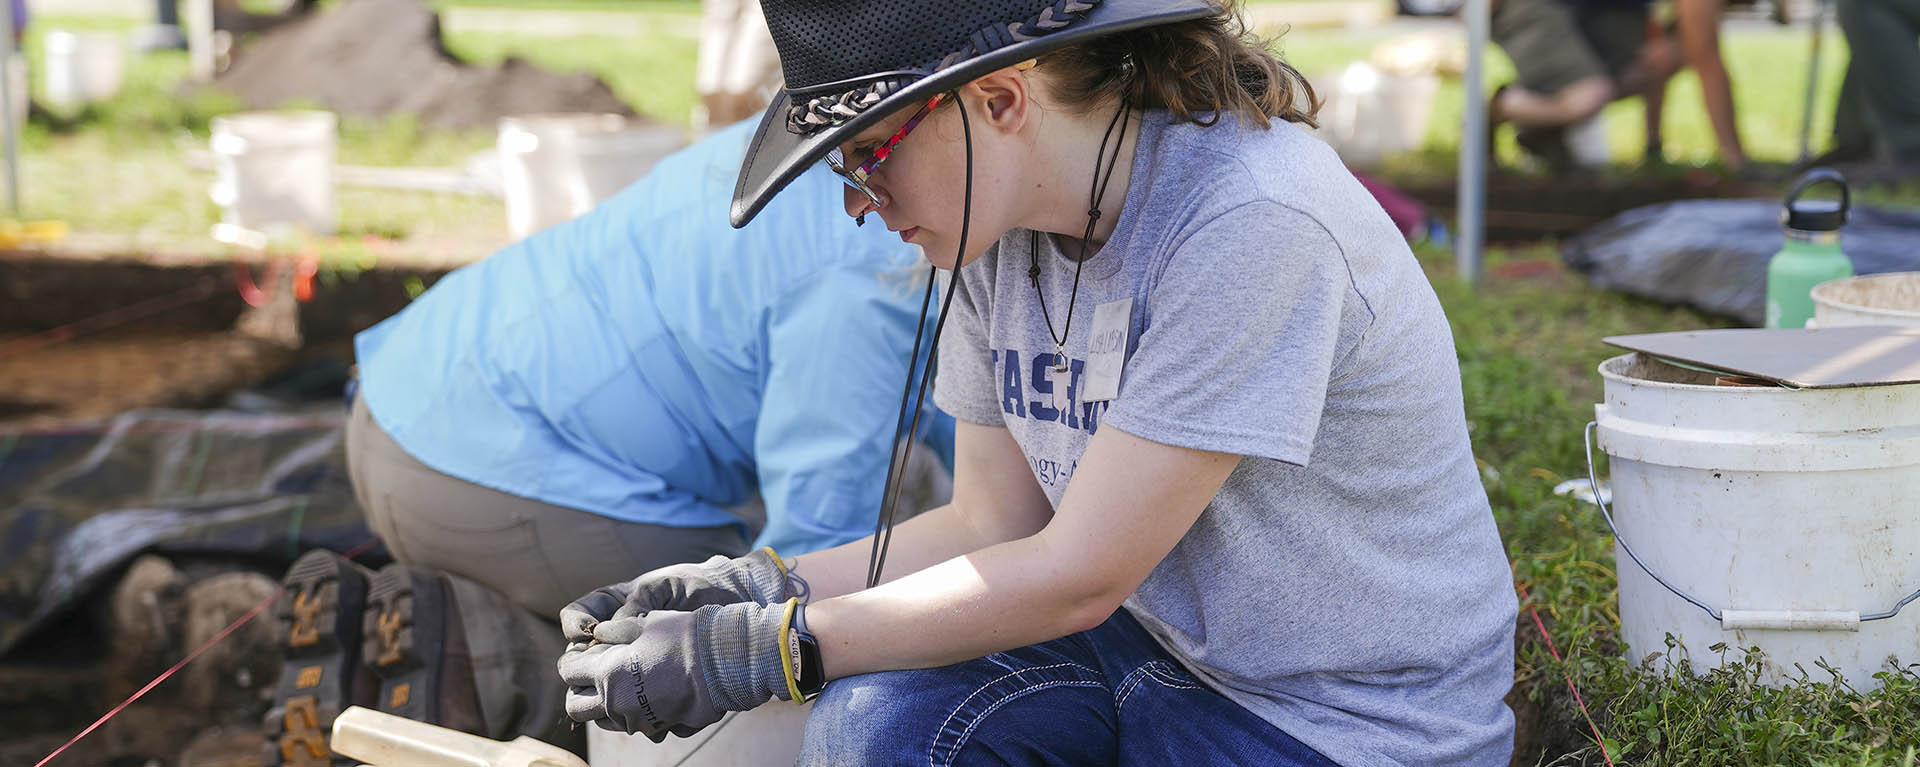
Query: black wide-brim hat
<point>850,63</point>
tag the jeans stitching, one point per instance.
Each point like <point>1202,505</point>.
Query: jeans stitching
<point>983,688</point>
<point>961,740</point>
<point>1170,678</point>
<point>1160,671</point>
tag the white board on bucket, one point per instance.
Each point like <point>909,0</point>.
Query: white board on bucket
<point>1823,358</point>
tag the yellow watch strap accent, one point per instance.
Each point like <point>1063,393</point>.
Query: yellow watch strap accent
<point>786,652</point>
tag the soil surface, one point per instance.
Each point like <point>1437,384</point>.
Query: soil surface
<point>89,336</point>
<point>381,57</point>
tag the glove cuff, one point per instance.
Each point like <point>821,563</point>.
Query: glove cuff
<point>740,653</point>
<point>766,574</point>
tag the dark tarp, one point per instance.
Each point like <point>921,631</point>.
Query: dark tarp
<point>77,502</point>
<point>1712,254</point>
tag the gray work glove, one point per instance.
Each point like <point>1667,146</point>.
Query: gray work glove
<point>670,672</point>
<point>757,577</point>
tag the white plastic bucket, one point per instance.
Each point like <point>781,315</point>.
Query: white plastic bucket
<point>557,166</point>
<point>1793,515</point>
<point>274,170</point>
<point>1369,114</point>
<point>82,68</point>
<point>1587,141</point>
<point>1880,299</point>
<point>766,735</point>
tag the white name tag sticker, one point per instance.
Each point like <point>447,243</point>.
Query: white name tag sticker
<point>1107,350</point>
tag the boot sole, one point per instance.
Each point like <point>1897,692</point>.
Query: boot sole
<point>320,615</point>
<point>404,635</point>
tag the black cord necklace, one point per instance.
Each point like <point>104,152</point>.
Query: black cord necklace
<point>1098,192</point>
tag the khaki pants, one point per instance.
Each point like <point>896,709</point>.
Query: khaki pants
<point>538,555</point>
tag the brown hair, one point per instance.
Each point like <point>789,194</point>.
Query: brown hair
<point>1195,69</point>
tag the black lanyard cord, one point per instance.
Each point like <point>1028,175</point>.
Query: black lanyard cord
<point>893,449</point>
<point>883,528</point>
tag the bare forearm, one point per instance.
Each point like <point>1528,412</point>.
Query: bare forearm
<point>1004,596</point>
<point>935,536</point>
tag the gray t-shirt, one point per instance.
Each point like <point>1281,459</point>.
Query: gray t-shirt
<point>1347,583</point>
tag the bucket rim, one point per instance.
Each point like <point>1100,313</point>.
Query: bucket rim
<point>1833,285</point>
<point>1674,385</point>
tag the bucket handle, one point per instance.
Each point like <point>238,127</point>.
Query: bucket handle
<point>1732,620</point>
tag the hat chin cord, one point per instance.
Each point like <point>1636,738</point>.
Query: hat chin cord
<point>883,526</point>
<point>903,443</point>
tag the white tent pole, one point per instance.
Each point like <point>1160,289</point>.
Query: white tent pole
<point>12,121</point>
<point>1471,198</point>
<point>1813,81</point>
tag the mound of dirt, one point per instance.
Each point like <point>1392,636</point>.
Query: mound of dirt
<point>381,57</point>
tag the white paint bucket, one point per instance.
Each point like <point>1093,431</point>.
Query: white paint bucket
<point>1587,141</point>
<point>1369,114</point>
<point>82,68</point>
<point>766,735</point>
<point>557,166</point>
<point>274,170</point>
<point>1788,518</point>
<point>1879,299</point>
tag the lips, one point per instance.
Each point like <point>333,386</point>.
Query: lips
<point>906,235</point>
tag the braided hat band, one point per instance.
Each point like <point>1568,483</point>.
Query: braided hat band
<point>812,115</point>
<point>848,62</point>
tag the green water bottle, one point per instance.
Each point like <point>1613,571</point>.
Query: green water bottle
<point>1811,254</point>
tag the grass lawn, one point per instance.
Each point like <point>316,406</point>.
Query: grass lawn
<point>1527,347</point>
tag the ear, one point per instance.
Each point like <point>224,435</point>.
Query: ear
<point>1003,97</point>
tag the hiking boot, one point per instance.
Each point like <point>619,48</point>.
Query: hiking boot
<point>414,642</point>
<point>320,615</point>
<point>1548,145</point>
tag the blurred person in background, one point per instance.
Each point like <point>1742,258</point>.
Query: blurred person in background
<point>1571,59</point>
<point>737,70</point>
<point>1876,124</point>
<point>638,387</point>
<point>1696,25</point>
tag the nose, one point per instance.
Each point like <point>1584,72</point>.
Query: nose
<point>856,202</point>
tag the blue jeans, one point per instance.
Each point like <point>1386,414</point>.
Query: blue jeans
<point>1110,695</point>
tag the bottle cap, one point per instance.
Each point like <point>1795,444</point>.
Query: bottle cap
<point>1815,215</point>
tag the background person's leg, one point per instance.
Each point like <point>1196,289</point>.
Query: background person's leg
<point>1560,80</point>
<point>1698,28</point>
<point>1884,38</point>
<point>540,556</point>
<point>1853,138</point>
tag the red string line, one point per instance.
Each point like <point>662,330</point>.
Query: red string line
<point>1542,626</point>
<point>113,318</point>
<point>231,627</point>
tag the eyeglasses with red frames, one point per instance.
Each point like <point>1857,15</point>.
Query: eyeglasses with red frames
<point>857,176</point>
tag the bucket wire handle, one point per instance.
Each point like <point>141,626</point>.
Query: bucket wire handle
<point>1593,478</point>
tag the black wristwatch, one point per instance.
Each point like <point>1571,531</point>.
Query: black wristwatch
<point>807,672</point>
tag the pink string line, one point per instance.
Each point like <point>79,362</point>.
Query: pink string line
<point>1542,626</point>
<point>231,627</point>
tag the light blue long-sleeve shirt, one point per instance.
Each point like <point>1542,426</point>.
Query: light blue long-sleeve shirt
<point>647,362</point>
